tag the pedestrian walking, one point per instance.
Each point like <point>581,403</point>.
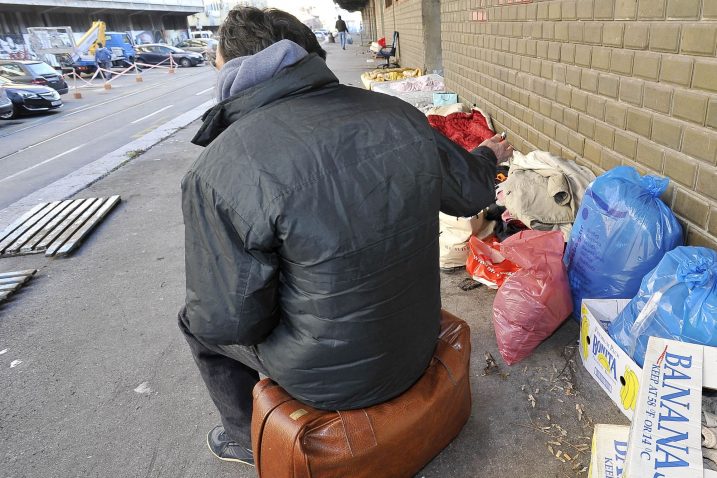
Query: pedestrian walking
<point>343,31</point>
<point>103,58</point>
<point>311,226</point>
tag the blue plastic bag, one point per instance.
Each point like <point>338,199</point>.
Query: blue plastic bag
<point>677,300</point>
<point>621,232</point>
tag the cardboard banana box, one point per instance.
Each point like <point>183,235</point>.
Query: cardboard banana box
<point>609,450</point>
<point>665,435</point>
<point>612,368</point>
<point>618,375</point>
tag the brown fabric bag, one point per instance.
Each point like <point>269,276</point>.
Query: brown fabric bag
<point>393,439</point>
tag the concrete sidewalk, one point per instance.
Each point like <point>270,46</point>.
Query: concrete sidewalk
<point>107,386</point>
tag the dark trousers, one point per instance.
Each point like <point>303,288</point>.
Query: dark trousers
<point>230,373</point>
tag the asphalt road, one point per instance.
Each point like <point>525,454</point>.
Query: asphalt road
<point>37,150</point>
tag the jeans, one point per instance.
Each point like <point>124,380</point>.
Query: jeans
<point>229,373</point>
<point>342,39</point>
<point>107,65</point>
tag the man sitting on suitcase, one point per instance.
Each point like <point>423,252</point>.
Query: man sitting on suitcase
<point>311,229</point>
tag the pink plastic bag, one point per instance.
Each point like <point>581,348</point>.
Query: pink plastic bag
<point>533,302</point>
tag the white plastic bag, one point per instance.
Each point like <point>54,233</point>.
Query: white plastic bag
<point>454,235</point>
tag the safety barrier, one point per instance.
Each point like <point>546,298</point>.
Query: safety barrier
<point>135,68</point>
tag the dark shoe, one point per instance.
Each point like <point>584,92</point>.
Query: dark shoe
<point>225,449</point>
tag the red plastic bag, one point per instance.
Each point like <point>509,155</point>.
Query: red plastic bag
<point>533,302</point>
<point>382,41</point>
<point>486,264</point>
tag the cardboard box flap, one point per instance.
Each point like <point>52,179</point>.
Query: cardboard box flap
<point>609,450</point>
<point>606,310</point>
<point>665,437</point>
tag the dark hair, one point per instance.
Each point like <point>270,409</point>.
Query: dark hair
<point>99,44</point>
<point>248,30</point>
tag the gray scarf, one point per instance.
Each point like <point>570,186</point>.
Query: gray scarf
<point>244,72</point>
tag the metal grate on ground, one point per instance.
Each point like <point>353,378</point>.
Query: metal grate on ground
<point>56,228</point>
<point>12,281</point>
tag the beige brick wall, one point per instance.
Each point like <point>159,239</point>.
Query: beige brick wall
<point>406,17</point>
<point>606,82</point>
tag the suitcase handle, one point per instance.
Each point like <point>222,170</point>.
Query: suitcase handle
<point>358,430</point>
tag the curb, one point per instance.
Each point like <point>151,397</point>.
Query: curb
<point>80,179</point>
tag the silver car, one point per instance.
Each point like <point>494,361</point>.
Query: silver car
<point>206,46</point>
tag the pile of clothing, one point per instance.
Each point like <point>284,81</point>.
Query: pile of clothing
<point>466,129</point>
<point>379,75</point>
<point>418,91</point>
<point>544,191</point>
<point>519,248</point>
<point>470,126</point>
<point>430,82</point>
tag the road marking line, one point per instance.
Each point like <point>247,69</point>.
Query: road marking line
<point>41,163</point>
<point>8,155</point>
<point>78,180</point>
<point>204,91</point>
<point>81,109</point>
<point>89,107</point>
<point>49,139</point>
<point>151,114</point>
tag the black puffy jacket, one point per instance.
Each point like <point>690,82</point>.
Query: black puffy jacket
<point>311,224</point>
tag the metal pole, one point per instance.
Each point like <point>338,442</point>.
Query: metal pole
<point>76,93</point>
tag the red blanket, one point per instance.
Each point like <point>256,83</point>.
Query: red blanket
<point>467,129</point>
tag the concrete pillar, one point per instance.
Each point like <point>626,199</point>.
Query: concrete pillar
<point>379,7</point>
<point>368,15</point>
<point>432,36</point>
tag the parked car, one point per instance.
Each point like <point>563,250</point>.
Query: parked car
<point>33,73</point>
<point>154,53</point>
<point>6,107</point>
<point>205,46</point>
<point>28,98</point>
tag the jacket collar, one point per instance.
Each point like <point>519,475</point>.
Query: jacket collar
<point>310,73</point>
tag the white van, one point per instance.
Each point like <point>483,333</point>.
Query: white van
<point>202,34</point>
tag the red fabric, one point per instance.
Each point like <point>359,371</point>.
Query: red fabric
<point>466,129</point>
<point>382,42</point>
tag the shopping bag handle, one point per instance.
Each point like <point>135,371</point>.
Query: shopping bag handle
<point>644,318</point>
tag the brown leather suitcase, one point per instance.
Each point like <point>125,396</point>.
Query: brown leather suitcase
<point>394,439</point>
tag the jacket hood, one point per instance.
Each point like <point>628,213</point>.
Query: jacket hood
<point>308,74</point>
<point>242,73</point>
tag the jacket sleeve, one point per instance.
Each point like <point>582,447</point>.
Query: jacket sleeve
<point>468,184</point>
<point>232,292</point>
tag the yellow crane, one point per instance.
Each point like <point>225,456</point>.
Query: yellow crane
<point>87,44</point>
